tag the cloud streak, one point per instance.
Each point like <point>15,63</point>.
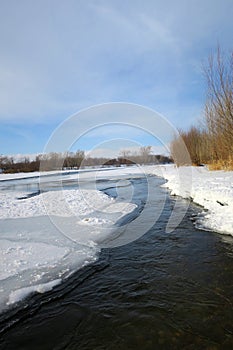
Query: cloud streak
<point>59,57</point>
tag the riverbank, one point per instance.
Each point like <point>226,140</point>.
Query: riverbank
<point>213,190</point>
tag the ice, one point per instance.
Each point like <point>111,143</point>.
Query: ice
<point>33,257</point>
<point>22,293</point>
<point>16,257</point>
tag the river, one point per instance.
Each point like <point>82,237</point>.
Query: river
<point>161,291</point>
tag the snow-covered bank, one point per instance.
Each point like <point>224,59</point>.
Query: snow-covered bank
<point>213,190</point>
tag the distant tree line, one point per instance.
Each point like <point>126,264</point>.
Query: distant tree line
<point>153,159</point>
<point>9,165</point>
<point>75,160</point>
<point>143,156</point>
<point>46,162</point>
<point>212,141</point>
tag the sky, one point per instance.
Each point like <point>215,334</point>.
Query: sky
<point>61,57</point>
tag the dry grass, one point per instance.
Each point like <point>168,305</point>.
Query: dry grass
<point>226,165</point>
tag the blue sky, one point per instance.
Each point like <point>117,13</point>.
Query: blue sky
<point>59,57</point>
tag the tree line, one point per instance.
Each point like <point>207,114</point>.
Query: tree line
<point>211,142</point>
<point>75,160</point>
<point>50,161</point>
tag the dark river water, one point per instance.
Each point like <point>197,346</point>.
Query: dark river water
<point>162,291</point>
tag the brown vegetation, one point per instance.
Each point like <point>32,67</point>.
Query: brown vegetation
<point>212,143</point>
<point>43,162</point>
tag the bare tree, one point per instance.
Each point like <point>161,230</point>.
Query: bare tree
<point>144,153</point>
<point>219,106</point>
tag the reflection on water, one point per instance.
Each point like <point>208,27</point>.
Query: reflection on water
<point>163,291</point>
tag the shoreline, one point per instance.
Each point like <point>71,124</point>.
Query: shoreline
<point>212,190</point>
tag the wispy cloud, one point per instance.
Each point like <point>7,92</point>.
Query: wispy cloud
<point>59,57</point>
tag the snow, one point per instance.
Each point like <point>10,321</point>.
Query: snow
<point>4,177</point>
<point>64,203</point>
<point>41,174</point>
<point>16,257</point>
<point>213,190</point>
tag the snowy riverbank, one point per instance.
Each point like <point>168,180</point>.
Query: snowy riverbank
<point>213,190</point>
